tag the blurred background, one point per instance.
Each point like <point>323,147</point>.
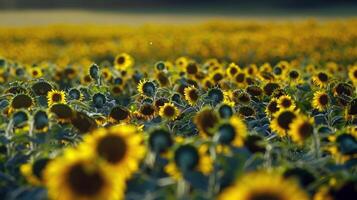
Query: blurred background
<point>23,12</point>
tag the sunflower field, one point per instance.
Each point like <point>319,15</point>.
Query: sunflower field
<point>243,110</point>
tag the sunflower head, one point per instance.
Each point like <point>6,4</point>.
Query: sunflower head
<point>34,172</point>
<point>24,101</point>
<point>118,114</point>
<point>120,147</point>
<point>321,79</point>
<point>20,118</point>
<point>94,71</point>
<point>99,100</point>
<point>342,91</point>
<point>232,70</point>
<point>282,120</point>
<point>286,102</point>
<point>246,111</point>
<point>160,66</point>
<point>352,74</point>
<point>41,120</point>
<point>169,111</point>
<point>206,120</point>
<point>75,94</point>
<point>269,88</point>
<point>301,128</point>
<point>272,107</point>
<point>83,122</point>
<point>123,61</point>
<point>160,140</point>
<point>255,143</point>
<point>35,72</point>
<point>191,95</point>
<point>320,100</point>
<point>162,78</point>
<point>75,176</point>
<point>262,185</point>
<point>225,111</point>
<point>147,110</point>
<point>147,88</point>
<point>56,96</point>
<point>254,90</point>
<point>215,96</point>
<point>232,132</point>
<point>63,112</point>
<point>191,68</point>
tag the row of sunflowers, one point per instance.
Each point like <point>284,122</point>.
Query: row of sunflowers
<point>96,125</point>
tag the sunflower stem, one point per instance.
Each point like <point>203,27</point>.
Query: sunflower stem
<point>182,189</point>
<point>316,140</point>
<point>8,135</point>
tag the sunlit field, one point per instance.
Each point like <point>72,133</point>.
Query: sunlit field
<point>227,109</point>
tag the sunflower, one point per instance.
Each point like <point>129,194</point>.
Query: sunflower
<point>342,145</point>
<point>270,87</point>
<point>63,112</point>
<point>191,95</point>
<point>169,111</point>
<point>246,111</point>
<point>34,171</point>
<point>123,61</point>
<point>147,111</point>
<point>147,88</point>
<point>343,92</point>
<point>217,76</point>
<point>232,132</point>
<point>82,122</point>
<point>188,158</point>
<point>86,79</point>
<point>160,140</point>
<point>106,73</point>
<point>118,114</point>
<point>294,76</point>
<point>321,79</point>
<point>286,102</point>
<point>191,68</point>
<point>120,147</point>
<point>281,121</point>
<point>41,121</point>
<point>225,110</point>
<point>232,70</point>
<point>301,128</point>
<point>21,101</point>
<point>35,72</point>
<point>163,79</point>
<point>239,79</point>
<point>56,96</point>
<point>206,120</point>
<point>320,100</point>
<point>41,88</point>
<point>261,185</point>
<point>76,177</point>
<point>352,74</point>
<point>272,107</point>
<point>181,62</point>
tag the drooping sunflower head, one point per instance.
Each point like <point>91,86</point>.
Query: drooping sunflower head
<point>20,118</point>
<point>206,120</point>
<point>160,140</point>
<point>241,97</point>
<point>282,120</point>
<point>232,132</point>
<point>56,96</point>
<point>34,171</point>
<point>62,112</point>
<point>272,107</point>
<point>321,79</point>
<point>225,110</point>
<point>75,94</point>
<point>147,88</point>
<point>147,111</point>
<point>82,122</point>
<point>263,186</point>
<point>73,176</point>
<point>254,90</point>
<point>169,111</point>
<point>41,121</point>
<point>160,102</point>
<point>342,91</point>
<point>120,147</point>
<point>99,100</point>
<point>301,128</point>
<point>352,107</point>
<point>286,102</point>
<point>320,100</point>
<point>24,101</point>
<point>191,95</point>
<point>162,78</point>
<point>270,87</point>
<point>246,111</point>
<point>119,114</point>
<point>123,61</point>
<point>215,96</point>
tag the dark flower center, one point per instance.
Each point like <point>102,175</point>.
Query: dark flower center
<point>112,148</point>
<point>286,103</point>
<point>147,110</point>
<point>305,130</point>
<point>273,107</point>
<point>323,99</point>
<point>120,60</point>
<point>240,78</point>
<point>294,74</point>
<point>84,182</point>
<point>169,111</point>
<point>56,97</point>
<point>285,119</point>
<point>265,196</point>
<point>226,133</point>
<point>322,77</point>
<point>21,101</point>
